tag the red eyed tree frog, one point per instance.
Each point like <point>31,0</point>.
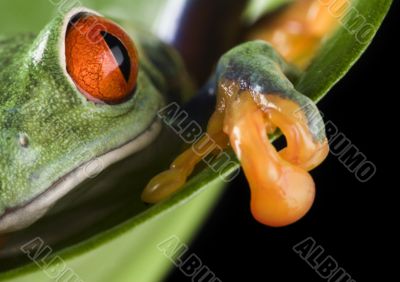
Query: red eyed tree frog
<point>83,89</point>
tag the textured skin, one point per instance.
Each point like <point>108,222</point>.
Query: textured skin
<point>47,127</point>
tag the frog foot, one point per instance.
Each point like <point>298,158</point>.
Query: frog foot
<point>282,190</point>
<point>254,98</point>
<point>172,180</point>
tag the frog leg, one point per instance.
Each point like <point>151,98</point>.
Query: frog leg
<point>259,97</point>
<point>282,191</point>
<point>297,32</point>
<point>254,97</point>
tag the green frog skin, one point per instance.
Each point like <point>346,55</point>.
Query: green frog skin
<point>51,135</point>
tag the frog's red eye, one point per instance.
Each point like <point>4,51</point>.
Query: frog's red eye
<point>101,59</point>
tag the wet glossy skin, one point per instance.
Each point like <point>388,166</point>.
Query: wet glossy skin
<point>255,97</point>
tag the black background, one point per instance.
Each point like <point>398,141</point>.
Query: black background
<point>348,218</point>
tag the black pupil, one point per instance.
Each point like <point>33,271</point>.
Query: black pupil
<point>120,53</point>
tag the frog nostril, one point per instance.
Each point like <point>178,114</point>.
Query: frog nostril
<point>23,140</point>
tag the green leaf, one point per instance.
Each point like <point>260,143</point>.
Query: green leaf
<point>258,8</point>
<point>124,247</point>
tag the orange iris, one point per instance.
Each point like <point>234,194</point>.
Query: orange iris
<point>101,59</point>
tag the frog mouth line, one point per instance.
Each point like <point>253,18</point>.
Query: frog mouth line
<point>17,218</point>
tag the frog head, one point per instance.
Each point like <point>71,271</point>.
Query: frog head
<point>73,100</point>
